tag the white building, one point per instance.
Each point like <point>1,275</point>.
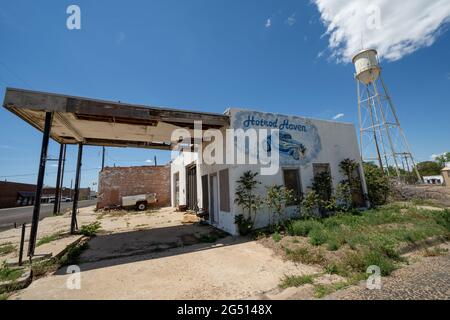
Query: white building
<point>306,147</point>
<point>439,180</point>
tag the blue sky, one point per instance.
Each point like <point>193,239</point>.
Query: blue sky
<point>203,55</point>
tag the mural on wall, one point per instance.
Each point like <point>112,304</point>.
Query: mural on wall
<point>298,138</point>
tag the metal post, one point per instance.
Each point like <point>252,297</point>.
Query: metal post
<point>22,241</point>
<point>62,179</point>
<point>40,184</point>
<point>156,162</point>
<point>58,180</point>
<point>103,158</point>
<point>73,225</point>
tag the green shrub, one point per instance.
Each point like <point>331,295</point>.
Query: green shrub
<point>318,236</point>
<point>333,244</point>
<point>90,229</point>
<point>276,237</point>
<point>245,225</point>
<point>378,184</point>
<point>302,227</point>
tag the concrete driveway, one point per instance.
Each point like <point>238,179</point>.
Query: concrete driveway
<point>230,269</point>
<point>160,261</point>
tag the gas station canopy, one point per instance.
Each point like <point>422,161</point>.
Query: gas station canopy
<point>104,123</point>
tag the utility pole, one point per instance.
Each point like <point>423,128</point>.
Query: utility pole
<point>155,161</point>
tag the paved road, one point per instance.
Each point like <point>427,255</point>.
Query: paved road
<point>23,214</point>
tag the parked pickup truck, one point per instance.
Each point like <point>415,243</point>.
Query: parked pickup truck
<point>139,202</point>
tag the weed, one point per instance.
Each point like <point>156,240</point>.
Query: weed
<point>304,255</point>
<point>73,254</point>
<point>4,296</point>
<point>296,281</point>
<point>322,290</point>
<point>48,239</point>
<point>276,237</point>
<point>10,274</point>
<point>42,268</point>
<point>302,227</point>
<point>7,248</point>
<point>90,230</point>
<point>318,236</point>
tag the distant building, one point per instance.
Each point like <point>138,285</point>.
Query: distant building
<point>115,183</point>
<point>439,180</point>
<point>14,194</point>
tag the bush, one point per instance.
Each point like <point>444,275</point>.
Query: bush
<point>276,237</point>
<point>318,236</point>
<point>378,185</point>
<point>302,228</point>
<point>90,229</point>
<point>245,225</point>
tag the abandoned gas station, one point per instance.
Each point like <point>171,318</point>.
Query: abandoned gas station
<point>306,148</point>
<point>79,121</point>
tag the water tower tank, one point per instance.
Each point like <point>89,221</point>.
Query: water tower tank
<point>367,67</point>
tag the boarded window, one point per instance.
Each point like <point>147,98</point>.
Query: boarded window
<point>224,181</point>
<point>319,168</point>
<point>292,182</point>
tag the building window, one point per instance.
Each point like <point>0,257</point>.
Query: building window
<point>292,182</point>
<point>319,168</point>
<point>224,181</point>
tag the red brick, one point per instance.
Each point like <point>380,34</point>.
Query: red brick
<point>115,183</point>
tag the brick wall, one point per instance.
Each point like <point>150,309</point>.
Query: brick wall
<point>115,183</point>
<point>9,192</point>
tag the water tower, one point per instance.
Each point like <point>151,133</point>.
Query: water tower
<point>382,138</point>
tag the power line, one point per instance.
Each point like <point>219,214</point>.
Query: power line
<point>16,75</point>
<point>48,173</point>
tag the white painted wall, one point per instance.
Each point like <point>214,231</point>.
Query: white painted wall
<point>338,142</point>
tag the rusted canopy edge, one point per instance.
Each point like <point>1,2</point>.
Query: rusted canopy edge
<point>30,105</point>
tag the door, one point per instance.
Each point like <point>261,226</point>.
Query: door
<point>214,200</point>
<point>191,188</point>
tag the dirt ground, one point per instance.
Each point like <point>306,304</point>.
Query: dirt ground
<point>153,255</point>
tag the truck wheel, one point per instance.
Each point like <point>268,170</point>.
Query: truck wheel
<point>141,206</point>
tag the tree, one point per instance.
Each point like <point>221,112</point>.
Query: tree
<point>278,198</point>
<point>429,168</point>
<point>245,197</point>
<point>378,184</point>
<point>441,160</point>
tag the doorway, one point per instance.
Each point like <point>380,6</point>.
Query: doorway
<point>191,188</point>
<point>214,199</point>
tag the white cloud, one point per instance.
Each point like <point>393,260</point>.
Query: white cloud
<point>268,23</point>
<point>4,146</point>
<point>394,28</point>
<point>291,20</point>
<point>433,157</point>
<point>338,116</point>
<point>149,161</point>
